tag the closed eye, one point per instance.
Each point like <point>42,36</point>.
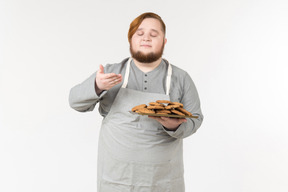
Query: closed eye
<point>140,33</point>
<point>153,35</point>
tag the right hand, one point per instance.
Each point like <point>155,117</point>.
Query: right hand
<point>106,81</point>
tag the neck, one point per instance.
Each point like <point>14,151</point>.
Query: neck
<point>147,67</point>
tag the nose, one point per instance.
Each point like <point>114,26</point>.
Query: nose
<point>146,37</point>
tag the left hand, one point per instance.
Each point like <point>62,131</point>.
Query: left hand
<point>169,123</point>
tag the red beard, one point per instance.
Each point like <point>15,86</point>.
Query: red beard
<point>146,58</point>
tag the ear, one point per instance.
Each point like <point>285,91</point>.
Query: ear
<point>165,41</point>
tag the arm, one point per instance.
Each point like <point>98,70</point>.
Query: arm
<point>181,128</point>
<point>85,96</point>
<point>191,102</point>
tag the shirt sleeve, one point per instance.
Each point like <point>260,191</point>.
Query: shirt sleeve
<point>191,101</point>
<point>83,97</point>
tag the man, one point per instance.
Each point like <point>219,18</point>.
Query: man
<point>139,153</point>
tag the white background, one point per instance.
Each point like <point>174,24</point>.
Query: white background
<point>235,51</point>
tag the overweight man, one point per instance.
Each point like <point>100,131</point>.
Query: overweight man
<point>140,153</point>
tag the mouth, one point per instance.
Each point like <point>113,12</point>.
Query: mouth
<point>147,46</point>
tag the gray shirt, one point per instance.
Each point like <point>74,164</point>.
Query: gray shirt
<point>84,98</point>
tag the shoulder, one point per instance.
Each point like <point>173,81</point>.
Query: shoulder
<point>116,67</point>
<point>178,74</point>
<point>181,77</point>
<point>178,71</point>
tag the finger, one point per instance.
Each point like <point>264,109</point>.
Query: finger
<point>112,81</point>
<point>119,79</point>
<point>183,120</point>
<point>101,69</point>
<point>110,76</point>
<point>180,120</point>
<point>154,117</point>
<point>117,76</point>
<point>115,81</point>
<point>165,118</point>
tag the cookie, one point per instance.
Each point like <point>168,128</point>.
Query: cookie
<point>157,104</point>
<point>163,101</point>
<point>138,107</point>
<point>163,111</point>
<point>145,110</point>
<point>177,103</point>
<point>172,106</point>
<point>184,111</point>
<point>177,112</point>
<point>155,107</point>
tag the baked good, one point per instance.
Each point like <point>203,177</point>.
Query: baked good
<point>145,110</point>
<point>163,111</point>
<point>177,112</point>
<point>184,111</point>
<point>177,103</point>
<point>163,101</point>
<point>155,107</point>
<point>157,104</point>
<point>164,107</point>
<point>138,107</point>
<point>172,106</point>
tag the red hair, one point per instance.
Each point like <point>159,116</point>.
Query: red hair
<point>137,22</point>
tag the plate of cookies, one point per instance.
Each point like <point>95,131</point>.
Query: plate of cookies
<point>163,108</point>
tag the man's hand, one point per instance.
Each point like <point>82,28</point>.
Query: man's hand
<point>106,81</point>
<point>169,123</point>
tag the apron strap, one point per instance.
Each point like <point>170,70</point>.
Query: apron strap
<point>125,82</point>
<point>168,79</point>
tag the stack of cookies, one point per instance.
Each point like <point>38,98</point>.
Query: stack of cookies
<point>162,107</point>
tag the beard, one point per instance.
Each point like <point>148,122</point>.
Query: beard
<point>146,58</point>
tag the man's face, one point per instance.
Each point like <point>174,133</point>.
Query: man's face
<point>147,44</point>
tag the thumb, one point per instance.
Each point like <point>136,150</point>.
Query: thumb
<point>183,120</point>
<point>101,69</point>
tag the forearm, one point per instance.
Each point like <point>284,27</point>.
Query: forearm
<point>83,96</point>
<point>191,102</point>
<point>186,128</point>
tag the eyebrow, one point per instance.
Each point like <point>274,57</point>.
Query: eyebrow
<point>154,30</point>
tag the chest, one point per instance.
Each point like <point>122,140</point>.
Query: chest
<point>152,82</point>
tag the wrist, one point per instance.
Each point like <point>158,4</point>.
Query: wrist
<point>97,89</point>
<point>171,129</point>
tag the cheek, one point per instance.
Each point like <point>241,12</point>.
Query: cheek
<point>159,44</point>
<point>134,42</point>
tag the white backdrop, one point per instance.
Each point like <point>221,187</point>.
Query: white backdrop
<point>235,51</point>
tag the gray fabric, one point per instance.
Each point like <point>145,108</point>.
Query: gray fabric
<point>151,82</point>
<point>135,153</point>
<point>84,98</point>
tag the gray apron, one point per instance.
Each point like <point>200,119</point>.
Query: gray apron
<point>135,153</point>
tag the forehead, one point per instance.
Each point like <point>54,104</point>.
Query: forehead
<point>150,24</point>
